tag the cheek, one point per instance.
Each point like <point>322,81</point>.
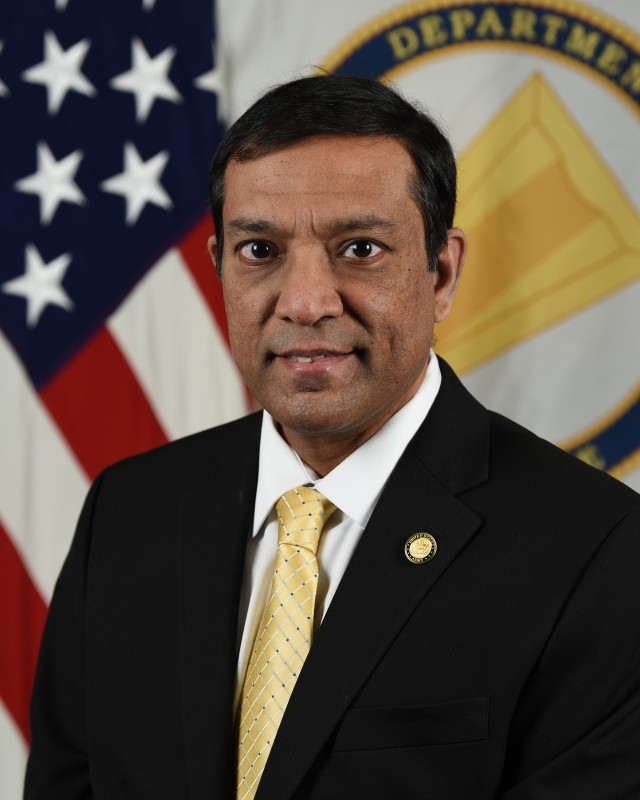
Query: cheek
<point>405,304</point>
<point>240,327</point>
<point>241,307</point>
<point>413,320</point>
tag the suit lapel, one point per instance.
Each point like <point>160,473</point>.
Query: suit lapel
<point>381,587</point>
<point>216,518</point>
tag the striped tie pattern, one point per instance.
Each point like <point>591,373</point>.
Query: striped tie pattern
<point>285,632</point>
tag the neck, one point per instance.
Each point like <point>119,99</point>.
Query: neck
<point>323,452</point>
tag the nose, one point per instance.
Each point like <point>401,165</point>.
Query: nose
<point>308,291</point>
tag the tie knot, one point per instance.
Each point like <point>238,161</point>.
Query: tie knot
<point>302,514</point>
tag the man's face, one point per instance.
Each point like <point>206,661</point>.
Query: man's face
<point>329,300</point>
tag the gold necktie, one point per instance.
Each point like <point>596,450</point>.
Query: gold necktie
<point>285,632</point>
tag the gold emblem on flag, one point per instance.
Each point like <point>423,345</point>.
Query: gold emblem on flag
<point>534,168</point>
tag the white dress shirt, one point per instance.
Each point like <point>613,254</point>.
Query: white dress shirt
<point>354,487</point>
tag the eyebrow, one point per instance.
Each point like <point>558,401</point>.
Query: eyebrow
<point>248,225</point>
<point>262,227</point>
<point>367,222</point>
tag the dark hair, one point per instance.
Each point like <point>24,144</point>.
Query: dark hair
<point>350,105</point>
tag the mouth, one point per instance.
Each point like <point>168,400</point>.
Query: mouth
<point>316,359</point>
<point>307,359</point>
<point>307,353</point>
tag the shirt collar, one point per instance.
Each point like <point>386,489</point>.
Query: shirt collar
<point>355,485</point>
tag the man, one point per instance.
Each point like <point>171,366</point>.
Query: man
<point>473,597</point>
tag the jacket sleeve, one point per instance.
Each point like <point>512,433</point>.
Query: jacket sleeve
<point>577,730</point>
<point>58,765</point>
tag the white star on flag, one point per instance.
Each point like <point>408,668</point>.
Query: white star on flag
<point>147,79</point>
<point>61,5</point>
<point>53,182</point>
<point>3,87</point>
<point>139,184</point>
<point>148,5</point>
<point>60,71</point>
<point>41,284</point>
<point>213,81</point>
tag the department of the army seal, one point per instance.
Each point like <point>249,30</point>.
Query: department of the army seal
<point>420,548</point>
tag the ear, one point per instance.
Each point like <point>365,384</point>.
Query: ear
<point>450,264</point>
<point>212,247</point>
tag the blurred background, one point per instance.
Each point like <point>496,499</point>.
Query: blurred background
<point>112,330</point>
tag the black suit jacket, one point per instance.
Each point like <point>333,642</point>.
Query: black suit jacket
<point>506,667</point>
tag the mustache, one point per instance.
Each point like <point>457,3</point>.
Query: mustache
<point>289,341</point>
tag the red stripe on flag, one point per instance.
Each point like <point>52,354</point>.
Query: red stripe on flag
<point>22,616</point>
<point>194,251</point>
<point>100,407</point>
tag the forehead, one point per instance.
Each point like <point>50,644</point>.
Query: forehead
<point>320,173</point>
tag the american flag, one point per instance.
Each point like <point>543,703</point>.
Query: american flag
<point>113,337</point>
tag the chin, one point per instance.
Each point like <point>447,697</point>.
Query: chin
<point>315,417</point>
<point>312,424</point>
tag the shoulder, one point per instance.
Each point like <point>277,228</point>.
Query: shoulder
<point>525,466</point>
<point>184,462</point>
<point>486,455</point>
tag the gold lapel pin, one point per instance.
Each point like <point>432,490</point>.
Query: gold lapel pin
<point>420,548</point>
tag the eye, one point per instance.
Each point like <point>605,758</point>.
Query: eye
<point>362,249</point>
<point>256,251</point>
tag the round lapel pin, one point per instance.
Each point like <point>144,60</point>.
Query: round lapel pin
<point>420,548</point>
